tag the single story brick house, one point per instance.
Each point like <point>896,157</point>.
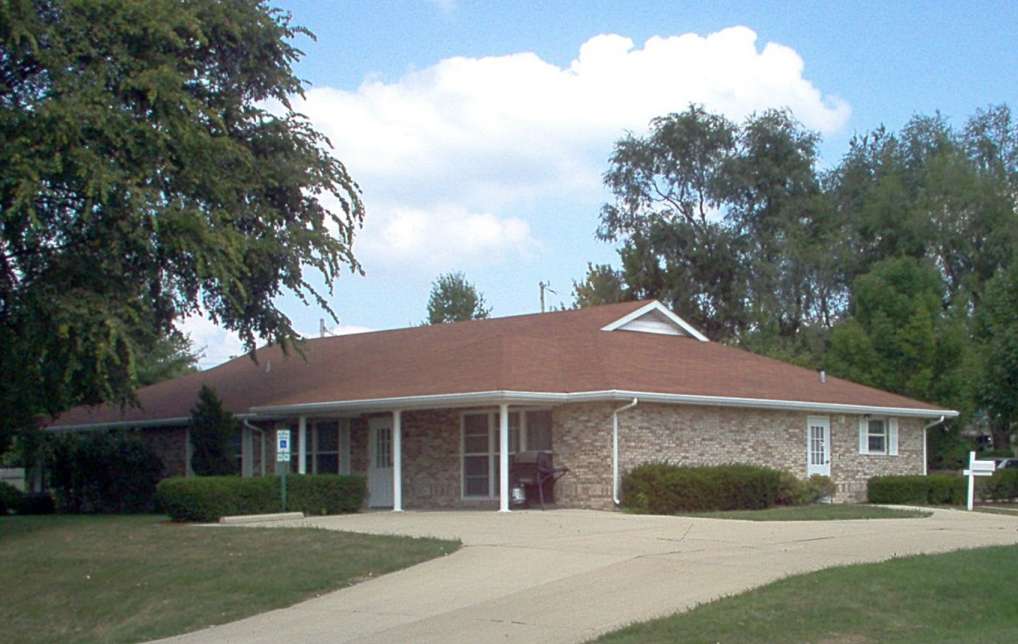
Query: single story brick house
<point>433,415</point>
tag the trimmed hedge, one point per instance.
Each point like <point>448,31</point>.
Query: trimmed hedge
<point>660,488</point>
<point>936,489</point>
<point>1002,486</point>
<point>207,498</point>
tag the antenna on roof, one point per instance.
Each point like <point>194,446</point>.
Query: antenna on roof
<point>322,332</point>
<point>545,287</point>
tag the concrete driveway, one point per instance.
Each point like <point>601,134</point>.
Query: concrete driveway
<point>568,575</point>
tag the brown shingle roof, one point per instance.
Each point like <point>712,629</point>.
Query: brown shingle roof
<point>562,352</point>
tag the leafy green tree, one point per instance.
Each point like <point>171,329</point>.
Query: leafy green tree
<point>726,224</point>
<point>152,166</point>
<point>169,357</point>
<point>454,299</point>
<point>602,285</point>
<point>900,338</point>
<point>212,430</point>
<point>998,330</point>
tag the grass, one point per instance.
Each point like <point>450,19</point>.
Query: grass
<point>819,512</point>
<point>130,578</point>
<point>964,596</point>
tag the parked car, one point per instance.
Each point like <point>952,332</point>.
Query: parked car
<point>1006,463</point>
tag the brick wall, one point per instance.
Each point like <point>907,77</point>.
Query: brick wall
<point>694,435</point>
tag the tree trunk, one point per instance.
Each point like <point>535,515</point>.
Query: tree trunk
<point>1001,433</point>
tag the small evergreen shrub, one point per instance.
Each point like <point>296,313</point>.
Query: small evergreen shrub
<point>936,489</point>
<point>102,472</point>
<point>208,498</point>
<point>10,498</point>
<point>661,488</point>
<point>212,430</point>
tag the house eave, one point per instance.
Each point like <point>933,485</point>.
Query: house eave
<point>495,397</point>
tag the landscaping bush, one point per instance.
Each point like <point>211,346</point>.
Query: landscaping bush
<point>37,503</point>
<point>103,472</point>
<point>210,497</point>
<point>946,489</point>
<point>660,488</point>
<point>815,488</point>
<point>793,491</point>
<point>1002,486</point>
<point>10,498</point>
<point>935,489</point>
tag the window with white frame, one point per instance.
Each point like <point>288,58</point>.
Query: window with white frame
<point>530,430</point>
<point>878,435</point>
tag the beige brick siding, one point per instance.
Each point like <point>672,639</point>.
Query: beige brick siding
<point>682,434</point>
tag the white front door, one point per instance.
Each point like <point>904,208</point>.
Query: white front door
<point>818,445</point>
<point>380,463</point>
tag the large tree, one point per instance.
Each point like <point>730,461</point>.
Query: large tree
<point>998,331</point>
<point>152,168</point>
<point>724,222</point>
<point>168,357</point>
<point>454,299</point>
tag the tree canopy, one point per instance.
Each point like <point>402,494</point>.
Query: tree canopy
<point>454,299</point>
<point>891,268</point>
<point>213,431</point>
<point>153,168</point>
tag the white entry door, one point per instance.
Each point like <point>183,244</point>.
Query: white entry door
<point>380,463</point>
<point>818,445</point>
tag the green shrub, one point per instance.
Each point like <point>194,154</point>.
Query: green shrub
<point>212,432</point>
<point>104,472</point>
<point>1002,486</point>
<point>935,489</point>
<point>660,488</point>
<point>946,489</point>
<point>37,503</point>
<point>10,498</point>
<point>815,488</point>
<point>211,497</point>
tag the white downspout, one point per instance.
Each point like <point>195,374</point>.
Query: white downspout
<point>926,427</point>
<point>615,449</point>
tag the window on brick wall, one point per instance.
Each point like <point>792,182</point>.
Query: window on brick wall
<point>530,430</point>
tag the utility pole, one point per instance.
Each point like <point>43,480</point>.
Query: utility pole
<point>544,287</point>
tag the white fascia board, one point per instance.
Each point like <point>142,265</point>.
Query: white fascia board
<point>661,308</point>
<point>545,397</point>
<point>494,397</point>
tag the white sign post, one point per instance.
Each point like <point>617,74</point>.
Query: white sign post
<point>283,456</point>
<point>977,468</point>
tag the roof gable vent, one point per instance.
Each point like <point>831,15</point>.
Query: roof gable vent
<point>654,317</point>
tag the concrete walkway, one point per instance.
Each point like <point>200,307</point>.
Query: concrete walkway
<point>568,575</point>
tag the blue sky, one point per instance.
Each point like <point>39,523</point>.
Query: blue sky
<point>478,131</point>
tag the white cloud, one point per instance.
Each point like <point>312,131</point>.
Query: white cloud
<point>217,344</point>
<point>445,6</point>
<point>467,139</point>
<point>445,235</point>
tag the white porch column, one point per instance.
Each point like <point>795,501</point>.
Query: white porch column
<point>246,452</point>
<point>397,461</point>
<point>302,453</point>
<point>503,458</point>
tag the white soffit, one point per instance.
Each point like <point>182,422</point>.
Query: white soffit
<point>655,317</point>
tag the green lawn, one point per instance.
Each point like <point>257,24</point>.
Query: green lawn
<point>964,596</point>
<point>119,579</point>
<point>819,512</point>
